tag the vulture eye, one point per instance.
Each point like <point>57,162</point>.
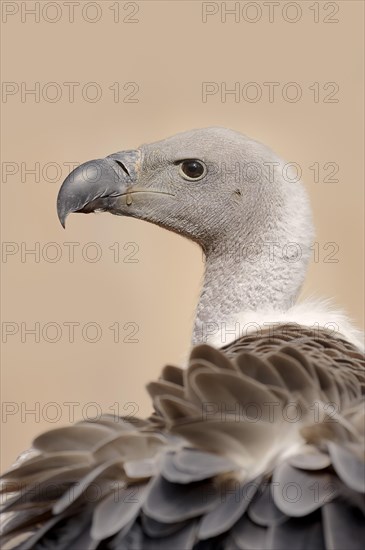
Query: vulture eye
<point>192,169</point>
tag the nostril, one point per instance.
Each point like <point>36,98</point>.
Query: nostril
<point>122,166</point>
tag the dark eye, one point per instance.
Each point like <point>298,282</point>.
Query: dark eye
<point>192,169</point>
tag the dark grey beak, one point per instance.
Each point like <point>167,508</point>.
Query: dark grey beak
<point>95,185</point>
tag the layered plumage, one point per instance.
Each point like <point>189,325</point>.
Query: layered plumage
<point>256,446</point>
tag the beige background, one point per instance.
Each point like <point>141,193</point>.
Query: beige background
<point>168,53</point>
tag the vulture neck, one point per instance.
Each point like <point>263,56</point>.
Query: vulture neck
<point>240,280</point>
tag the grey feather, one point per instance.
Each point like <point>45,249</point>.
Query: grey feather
<point>117,510</point>
<point>297,535</point>
<point>298,493</point>
<point>171,503</point>
<point>249,536</point>
<point>348,466</point>
<point>312,459</point>
<point>263,510</point>
<point>233,503</point>
<point>344,527</point>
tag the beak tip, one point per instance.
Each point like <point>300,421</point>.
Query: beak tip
<point>61,213</point>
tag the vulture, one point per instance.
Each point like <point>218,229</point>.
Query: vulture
<point>257,442</point>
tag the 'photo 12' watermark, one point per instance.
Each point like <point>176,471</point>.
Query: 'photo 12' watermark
<point>53,412</point>
<point>14,172</point>
<point>69,92</point>
<point>270,92</point>
<point>69,252</point>
<point>70,332</point>
<point>53,12</point>
<point>246,12</point>
<point>223,332</point>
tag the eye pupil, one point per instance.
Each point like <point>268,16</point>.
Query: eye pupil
<point>193,168</point>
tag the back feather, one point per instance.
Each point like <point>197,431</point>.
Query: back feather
<point>257,446</point>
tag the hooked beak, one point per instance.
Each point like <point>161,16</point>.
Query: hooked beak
<point>95,185</point>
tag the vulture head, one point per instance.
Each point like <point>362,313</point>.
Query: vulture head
<point>221,189</point>
<point>206,184</point>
